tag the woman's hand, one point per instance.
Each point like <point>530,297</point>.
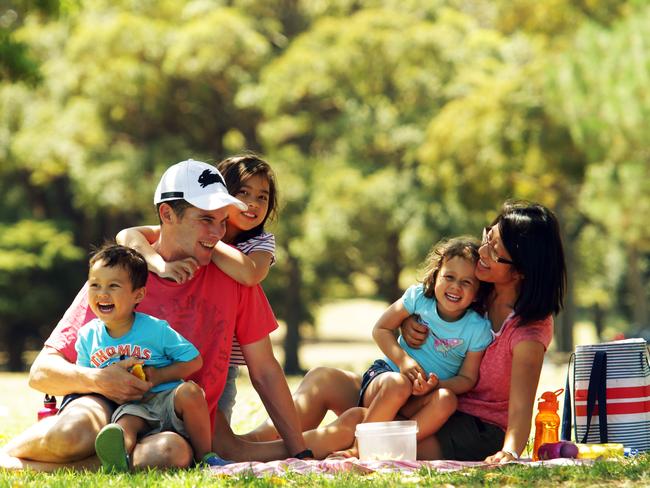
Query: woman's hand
<point>413,332</point>
<point>500,457</point>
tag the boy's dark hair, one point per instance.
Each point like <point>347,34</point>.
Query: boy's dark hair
<point>465,247</point>
<point>131,260</point>
<point>531,234</point>
<point>235,171</point>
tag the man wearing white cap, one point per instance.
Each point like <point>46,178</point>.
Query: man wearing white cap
<point>192,203</point>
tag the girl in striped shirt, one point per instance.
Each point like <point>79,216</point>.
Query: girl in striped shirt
<point>245,253</point>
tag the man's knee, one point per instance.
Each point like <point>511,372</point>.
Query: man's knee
<point>72,435</point>
<point>55,439</point>
<point>72,438</point>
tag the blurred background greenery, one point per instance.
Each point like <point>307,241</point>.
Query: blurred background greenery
<point>390,124</point>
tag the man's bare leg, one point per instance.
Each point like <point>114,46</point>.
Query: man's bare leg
<point>68,441</point>
<point>321,389</point>
<point>322,441</point>
<point>64,438</point>
<point>18,464</point>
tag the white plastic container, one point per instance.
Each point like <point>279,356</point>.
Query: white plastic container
<point>387,440</point>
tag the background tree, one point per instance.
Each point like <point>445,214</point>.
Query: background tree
<point>606,112</point>
<point>390,124</point>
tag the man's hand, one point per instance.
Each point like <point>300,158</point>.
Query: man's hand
<point>414,333</point>
<point>116,383</point>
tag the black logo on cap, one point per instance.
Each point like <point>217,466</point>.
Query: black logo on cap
<point>208,178</point>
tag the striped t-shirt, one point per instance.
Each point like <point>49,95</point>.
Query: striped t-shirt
<point>263,242</point>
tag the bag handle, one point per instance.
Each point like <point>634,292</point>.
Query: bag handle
<point>566,409</point>
<point>597,392</point>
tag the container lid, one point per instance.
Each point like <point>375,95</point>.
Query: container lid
<point>382,428</point>
<point>548,400</point>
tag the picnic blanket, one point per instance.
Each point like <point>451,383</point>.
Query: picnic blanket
<point>334,466</point>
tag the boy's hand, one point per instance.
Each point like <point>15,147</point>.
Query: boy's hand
<point>180,271</point>
<point>152,375</point>
<point>422,386</point>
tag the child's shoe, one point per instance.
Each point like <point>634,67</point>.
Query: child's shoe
<point>211,459</point>
<point>109,445</point>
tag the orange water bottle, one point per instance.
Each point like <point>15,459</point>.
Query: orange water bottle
<point>547,421</point>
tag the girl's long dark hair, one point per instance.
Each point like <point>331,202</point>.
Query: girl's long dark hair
<point>235,171</point>
<point>531,234</point>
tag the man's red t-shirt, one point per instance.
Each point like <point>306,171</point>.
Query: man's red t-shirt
<point>207,311</point>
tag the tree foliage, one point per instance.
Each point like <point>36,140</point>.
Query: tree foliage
<point>390,124</point>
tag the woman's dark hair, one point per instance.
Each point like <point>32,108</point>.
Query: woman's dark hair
<point>531,234</point>
<point>465,247</point>
<point>235,171</point>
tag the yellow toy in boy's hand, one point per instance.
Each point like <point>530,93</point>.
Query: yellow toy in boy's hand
<point>137,370</point>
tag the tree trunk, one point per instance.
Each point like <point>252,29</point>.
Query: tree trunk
<point>389,288</point>
<point>566,319</point>
<point>15,341</point>
<point>294,318</point>
<point>599,320</point>
<point>638,298</point>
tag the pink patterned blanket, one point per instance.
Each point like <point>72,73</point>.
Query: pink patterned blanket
<point>333,466</point>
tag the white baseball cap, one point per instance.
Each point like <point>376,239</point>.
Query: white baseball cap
<point>198,183</point>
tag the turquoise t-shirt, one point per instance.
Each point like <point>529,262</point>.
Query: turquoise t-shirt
<point>447,344</point>
<point>150,339</point>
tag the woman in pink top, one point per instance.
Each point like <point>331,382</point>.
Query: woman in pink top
<point>522,256</point>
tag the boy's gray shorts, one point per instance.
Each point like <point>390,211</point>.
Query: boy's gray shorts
<point>158,410</point>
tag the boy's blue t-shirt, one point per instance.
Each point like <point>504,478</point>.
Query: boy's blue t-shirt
<point>447,343</point>
<point>150,339</point>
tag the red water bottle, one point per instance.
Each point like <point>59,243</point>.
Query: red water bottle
<point>49,407</point>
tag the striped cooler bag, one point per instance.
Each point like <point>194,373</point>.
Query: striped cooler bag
<point>611,384</point>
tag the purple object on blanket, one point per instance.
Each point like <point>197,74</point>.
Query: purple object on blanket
<point>554,450</point>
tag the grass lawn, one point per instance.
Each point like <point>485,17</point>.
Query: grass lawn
<point>336,342</point>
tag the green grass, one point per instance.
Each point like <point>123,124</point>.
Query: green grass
<point>626,473</point>
<point>19,404</point>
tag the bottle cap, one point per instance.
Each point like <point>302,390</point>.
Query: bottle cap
<point>548,400</point>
